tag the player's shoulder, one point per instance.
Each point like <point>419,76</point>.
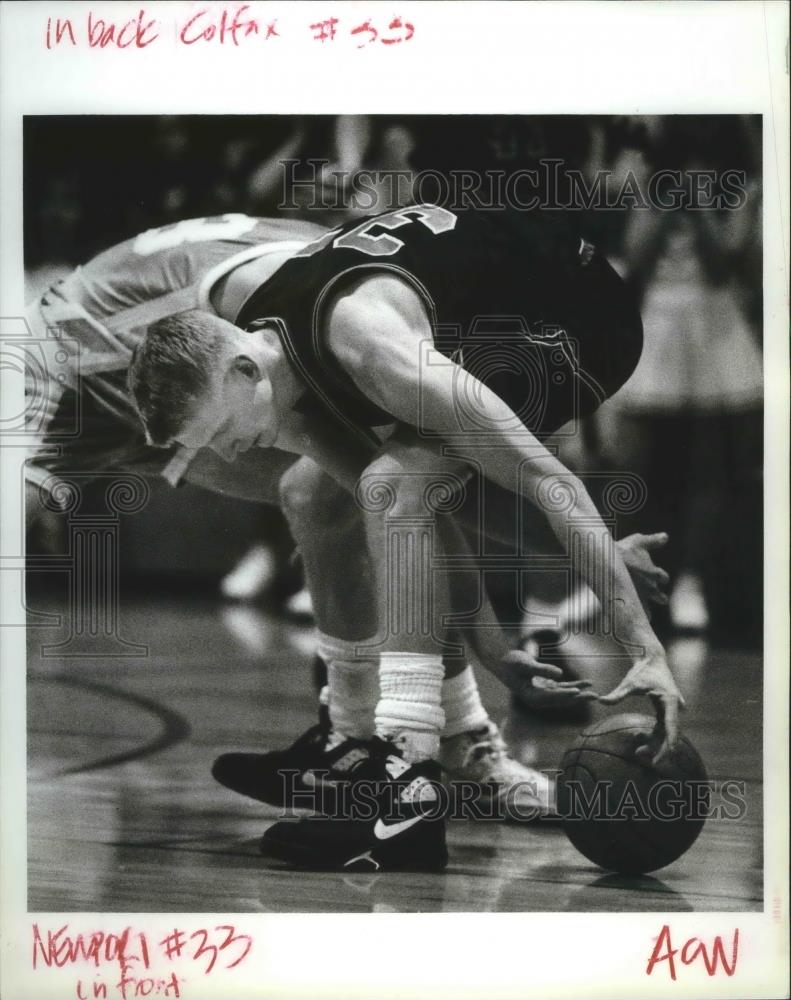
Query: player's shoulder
<point>370,316</point>
<point>371,299</point>
<point>375,291</point>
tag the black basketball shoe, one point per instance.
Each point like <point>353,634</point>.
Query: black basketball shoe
<point>392,819</point>
<point>303,776</point>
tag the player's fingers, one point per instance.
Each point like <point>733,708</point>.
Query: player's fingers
<point>663,758</point>
<point>661,576</point>
<point>655,752</point>
<point>623,690</point>
<point>547,684</point>
<point>655,541</point>
<point>545,670</point>
<point>670,720</point>
<point>566,689</point>
<point>519,660</point>
<point>521,665</point>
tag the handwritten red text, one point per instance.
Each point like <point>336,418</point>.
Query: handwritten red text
<point>693,950</point>
<point>230,26</point>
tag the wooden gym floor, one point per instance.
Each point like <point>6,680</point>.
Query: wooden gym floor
<point>123,814</point>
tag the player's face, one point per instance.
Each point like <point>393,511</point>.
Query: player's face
<point>236,412</point>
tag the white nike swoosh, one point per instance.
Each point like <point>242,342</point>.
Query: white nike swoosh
<point>384,831</point>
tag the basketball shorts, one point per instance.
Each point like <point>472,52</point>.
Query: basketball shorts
<point>585,347</point>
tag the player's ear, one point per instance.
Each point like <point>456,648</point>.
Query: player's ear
<point>245,366</point>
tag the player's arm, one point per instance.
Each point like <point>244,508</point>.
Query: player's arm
<point>375,331</point>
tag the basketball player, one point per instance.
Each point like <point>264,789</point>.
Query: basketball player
<point>97,316</point>
<point>338,336</point>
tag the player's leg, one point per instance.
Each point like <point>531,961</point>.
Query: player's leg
<point>471,746</point>
<point>401,492</point>
<point>329,533</point>
<point>401,779</point>
<point>474,750</point>
<point>329,530</point>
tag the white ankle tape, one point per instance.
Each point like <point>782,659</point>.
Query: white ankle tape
<point>411,689</point>
<point>462,704</point>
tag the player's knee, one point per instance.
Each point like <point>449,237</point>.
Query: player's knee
<point>308,494</point>
<point>389,486</point>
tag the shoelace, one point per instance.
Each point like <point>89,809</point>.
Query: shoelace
<point>490,744</point>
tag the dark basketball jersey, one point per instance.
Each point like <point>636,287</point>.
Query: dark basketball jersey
<point>502,291</point>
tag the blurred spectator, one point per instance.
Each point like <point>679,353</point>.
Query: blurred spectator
<point>690,419</point>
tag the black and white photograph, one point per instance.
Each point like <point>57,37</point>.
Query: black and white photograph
<point>394,528</point>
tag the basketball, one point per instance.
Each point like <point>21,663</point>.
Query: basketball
<point>624,814</point>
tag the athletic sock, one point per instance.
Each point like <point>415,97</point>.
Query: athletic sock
<point>462,705</point>
<point>409,712</point>
<point>352,688</point>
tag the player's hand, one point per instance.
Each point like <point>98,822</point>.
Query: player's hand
<point>651,676</point>
<point>541,685</point>
<point>649,579</point>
